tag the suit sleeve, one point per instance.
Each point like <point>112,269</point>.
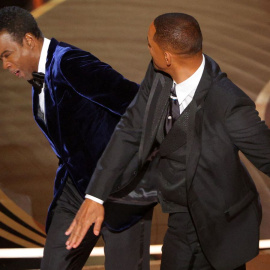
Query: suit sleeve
<point>123,146</point>
<point>248,133</point>
<point>97,81</point>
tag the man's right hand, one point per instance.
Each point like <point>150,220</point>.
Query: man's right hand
<point>90,212</point>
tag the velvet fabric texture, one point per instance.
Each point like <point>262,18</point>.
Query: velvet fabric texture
<point>84,100</point>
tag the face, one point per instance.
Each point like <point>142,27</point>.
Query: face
<point>158,55</point>
<point>17,58</point>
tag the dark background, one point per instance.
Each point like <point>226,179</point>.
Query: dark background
<point>27,4</point>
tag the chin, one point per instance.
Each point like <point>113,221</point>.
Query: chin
<point>28,78</point>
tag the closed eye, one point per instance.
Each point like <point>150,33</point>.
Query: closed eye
<point>5,55</point>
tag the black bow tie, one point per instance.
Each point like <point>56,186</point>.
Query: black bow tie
<point>37,81</point>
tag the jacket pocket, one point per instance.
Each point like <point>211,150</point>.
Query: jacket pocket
<point>239,206</point>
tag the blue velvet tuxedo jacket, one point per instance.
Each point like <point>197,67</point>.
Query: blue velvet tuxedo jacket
<point>84,100</point>
<point>221,196</point>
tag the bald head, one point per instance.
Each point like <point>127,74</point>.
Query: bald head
<point>179,33</point>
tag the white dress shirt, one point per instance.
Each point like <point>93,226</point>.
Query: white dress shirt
<point>42,68</point>
<point>185,90</point>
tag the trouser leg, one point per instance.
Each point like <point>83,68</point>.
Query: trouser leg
<point>181,249</point>
<point>56,256</point>
<point>129,249</point>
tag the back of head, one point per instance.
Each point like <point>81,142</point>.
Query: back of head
<point>178,32</point>
<point>17,22</point>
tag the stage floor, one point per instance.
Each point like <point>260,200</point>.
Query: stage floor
<point>261,262</point>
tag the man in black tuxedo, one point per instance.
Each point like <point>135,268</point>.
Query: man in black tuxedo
<point>77,102</point>
<point>195,120</point>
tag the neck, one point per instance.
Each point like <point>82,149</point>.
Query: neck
<point>38,49</point>
<point>183,67</point>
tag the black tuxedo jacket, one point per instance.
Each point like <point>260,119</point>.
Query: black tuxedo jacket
<point>84,100</point>
<point>222,197</point>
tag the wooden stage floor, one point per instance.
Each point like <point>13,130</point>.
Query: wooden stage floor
<point>262,262</point>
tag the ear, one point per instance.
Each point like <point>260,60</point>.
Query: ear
<point>29,40</point>
<point>168,58</point>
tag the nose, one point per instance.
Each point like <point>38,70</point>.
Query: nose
<point>6,64</point>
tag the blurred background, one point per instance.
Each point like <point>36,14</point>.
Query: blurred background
<point>26,4</point>
<point>236,35</point>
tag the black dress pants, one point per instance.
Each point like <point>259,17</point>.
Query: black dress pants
<point>123,250</point>
<point>181,248</point>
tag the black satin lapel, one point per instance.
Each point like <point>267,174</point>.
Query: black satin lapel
<point>145,132</point>
<point>160,106</point>
<point>154,112</point>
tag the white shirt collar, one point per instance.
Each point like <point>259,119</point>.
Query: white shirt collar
<point>43,56</point>
<point>189,86</point>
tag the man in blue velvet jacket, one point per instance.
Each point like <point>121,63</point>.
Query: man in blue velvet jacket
<point>77,105</point>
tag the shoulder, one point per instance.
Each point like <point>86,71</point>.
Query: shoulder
<point>223,95</point>
<point>62,54</point>
<point>68,55</point>
<point>222,88</point>
<point>72,62</point>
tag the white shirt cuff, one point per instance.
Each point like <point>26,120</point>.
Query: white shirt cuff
<point>87,196</point>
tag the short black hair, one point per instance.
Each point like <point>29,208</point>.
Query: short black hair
<point>179,32</point>
<point>17,22</point>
